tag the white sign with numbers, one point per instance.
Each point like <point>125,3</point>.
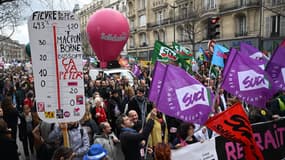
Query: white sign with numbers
<point>56,52</point>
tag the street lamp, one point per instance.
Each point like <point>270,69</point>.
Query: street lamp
<point>174,7</point>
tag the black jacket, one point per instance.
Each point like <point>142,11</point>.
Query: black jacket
<point>130,141</point>
<point>8,148</point>
<point>134,105</point>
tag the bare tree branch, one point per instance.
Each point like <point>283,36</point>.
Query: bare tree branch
<point>4,1</point>
<point>11,15</point>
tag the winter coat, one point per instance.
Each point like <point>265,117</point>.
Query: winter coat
<point>114,149</point>
<point>131,140</point>
<point>134,104</point>
<point>78,140</point>
<point>101,111</point>
<point>155,136</point>
<point>8,148</point>
<point>23,132</point>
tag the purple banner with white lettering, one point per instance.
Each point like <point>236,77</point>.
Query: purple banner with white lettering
<point>183,97</point>
<point>246,80</point>
<point>276,67</point>
<point>158,75</point>
<point>253,53</point>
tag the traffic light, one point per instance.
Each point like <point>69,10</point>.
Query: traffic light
<point>213,27</point>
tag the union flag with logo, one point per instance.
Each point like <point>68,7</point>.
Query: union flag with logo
<point>244,78</point>
<point>184,97</point>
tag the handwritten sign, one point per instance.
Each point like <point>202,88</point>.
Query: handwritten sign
<point>56,52</point>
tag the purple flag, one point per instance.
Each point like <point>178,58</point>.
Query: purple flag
<point>156,82</point>
<point>136,70</point>
<point>253,53</point>
<point>229,61</point>
<point>276,67</point>
<point>246,80</point>
<point>183,97</point>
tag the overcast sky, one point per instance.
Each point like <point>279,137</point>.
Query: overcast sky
<point>21,33</point>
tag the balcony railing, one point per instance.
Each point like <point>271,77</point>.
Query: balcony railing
<point>144,44</point>
<point>159,4</point>
<point>171,20</point>
<point>162,22</point>
<point>239,34</point>
<point>232,6</point>
<point>277,2</point>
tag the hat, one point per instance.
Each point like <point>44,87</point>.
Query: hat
<point>96,152</point>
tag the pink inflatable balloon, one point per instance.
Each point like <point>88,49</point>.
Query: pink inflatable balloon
<point>108,31</point>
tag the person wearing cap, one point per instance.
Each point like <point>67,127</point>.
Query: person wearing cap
<point>96,152</point>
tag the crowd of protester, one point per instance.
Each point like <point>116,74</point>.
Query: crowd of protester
<point>120,122</point>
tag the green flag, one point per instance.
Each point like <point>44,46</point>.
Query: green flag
<point>185,54</point>
<point>181,50</point>
<point>163,53</point>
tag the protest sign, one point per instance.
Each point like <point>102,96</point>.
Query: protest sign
<point>56,52</point>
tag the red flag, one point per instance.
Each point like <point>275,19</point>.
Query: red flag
<point>233,124</point>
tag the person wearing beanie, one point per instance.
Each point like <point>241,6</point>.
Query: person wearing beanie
<point>96,152</point>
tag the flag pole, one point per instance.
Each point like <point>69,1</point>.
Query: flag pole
<point>210,73</point>
<point>65,138</point>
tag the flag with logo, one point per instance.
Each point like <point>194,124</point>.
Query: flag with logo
<point>233,124</point>
<point>163,53</point>
<point>253,53</point>
<point>244,79</point>
<point>181,50</point>
<point>276,67</point>
<point>186,59</point>
<point>136,70</point>
<point>183,97</point>
<point>156,83</point>
<point>219,55</point>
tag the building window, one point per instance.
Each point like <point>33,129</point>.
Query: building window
<point>130,8</point>
<point>156,35</point>
<point>141,4</point>
<point>276,2</point>
<point>241,26</point>
<point>275,25</point>
<point>210,4</point>
<point>142,21</point>
<point>180,34</point>
<point>241,3</point>
<point>132,24</point>
<point>143,42</point>
<point>162,35</point>
<point>183,10</point>
<point>159,17</point>
<point>132,42</point>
